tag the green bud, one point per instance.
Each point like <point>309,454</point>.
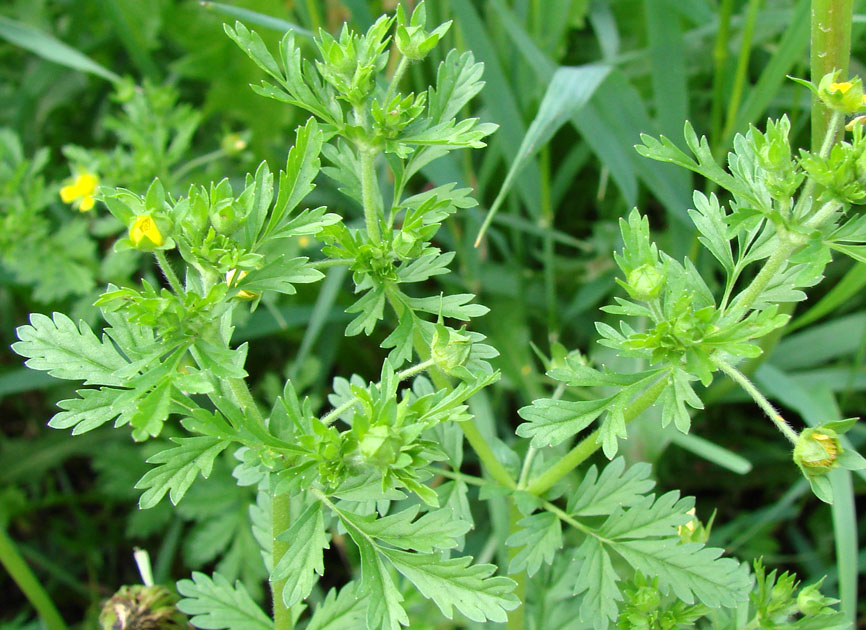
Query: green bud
<point>841,96</point>
<point>379,447</point>
<point>816,451</point>
<point>141,607</point>
<point>412,38</point>
<point>811,602</point>
<point>450,348</point>
<point>645,282</point>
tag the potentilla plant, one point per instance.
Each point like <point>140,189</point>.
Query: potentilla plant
<point>381,470</point>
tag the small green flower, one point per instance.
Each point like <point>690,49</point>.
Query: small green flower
<point>450,348</point>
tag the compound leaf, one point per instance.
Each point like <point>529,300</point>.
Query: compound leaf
<point>541,538</point>
<point>303,560</point>
<point>67,351</point>
<point>453,583</point>
<point>214,604</point>
<point>178,468</point>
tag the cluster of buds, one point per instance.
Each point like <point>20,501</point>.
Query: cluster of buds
<point>351,63</point>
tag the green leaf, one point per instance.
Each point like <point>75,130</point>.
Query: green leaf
<point>709,217</point>
<point>675,398</point>
<point>65,351</point>
<point>458,81</point>
<point>178,468</point>
<point>50,48</point>
<point>343,611</point>
<point>453,583</point>
<point>616,486</point>
<point>549,422</point>
<point>92,410</point>
<point>435,530</point>
<point>296,182</point>
<point>540,537</point>
<point>649,517</point>
<point>690,570</point>
<point>302,564</point>
<point>384,609</point>
<point>219,360</point>
<point>598,581</point>
<point>280,275</point>
<point>214,604</point>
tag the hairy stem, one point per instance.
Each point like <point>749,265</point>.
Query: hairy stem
<point>282,520</point>
<point>395,80</point>
<point>21,574</point>
<point>741,380</point>
<point>168,271</point>
<point>371,196</point>
<point>590,444</point>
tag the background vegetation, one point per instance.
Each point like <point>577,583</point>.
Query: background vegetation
<point>163,92</point>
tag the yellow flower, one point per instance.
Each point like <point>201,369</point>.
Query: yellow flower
<point>144,234</point>
<point>843,87</point>
<point>80,192</point>
<point>243,293</point>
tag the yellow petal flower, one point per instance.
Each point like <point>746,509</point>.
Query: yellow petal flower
<point>80,191</point>
<point>86,204</point>
<point>843,87</point>
<point>143,228</point>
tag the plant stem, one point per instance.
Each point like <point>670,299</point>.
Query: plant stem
<point>168,271</point>
<point>395,80</point>
<point>371,196</point>
<point>758,397</point>
<point>470,430</point>
<point>590,444</point>
<point>775,262</point>
<point>831,50</point>
<point>516,617</point>
<point>282,520</point>
<point>28,583</point>
<point>401,376</point>
<point>282,517</point>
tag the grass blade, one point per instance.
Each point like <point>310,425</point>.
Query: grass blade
<point>711,452</point>
<point>254,17</point>
<point>844,290</point>
<point>568,91</point>
<point>51,48</point>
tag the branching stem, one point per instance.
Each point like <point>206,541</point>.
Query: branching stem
<point>590,444</point>
<point>741,380</point>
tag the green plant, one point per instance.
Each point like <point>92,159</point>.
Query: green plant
<point>384,467</point>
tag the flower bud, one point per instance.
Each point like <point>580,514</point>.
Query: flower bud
<point>144,234</point>
<point>811,602</point>
<point>139,607</point>
<point>450,348</point>
<point>645,282</point>
<point>816,451</point>
<point>841,96</point>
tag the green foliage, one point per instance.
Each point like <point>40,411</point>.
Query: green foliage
<point>370,467</point>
